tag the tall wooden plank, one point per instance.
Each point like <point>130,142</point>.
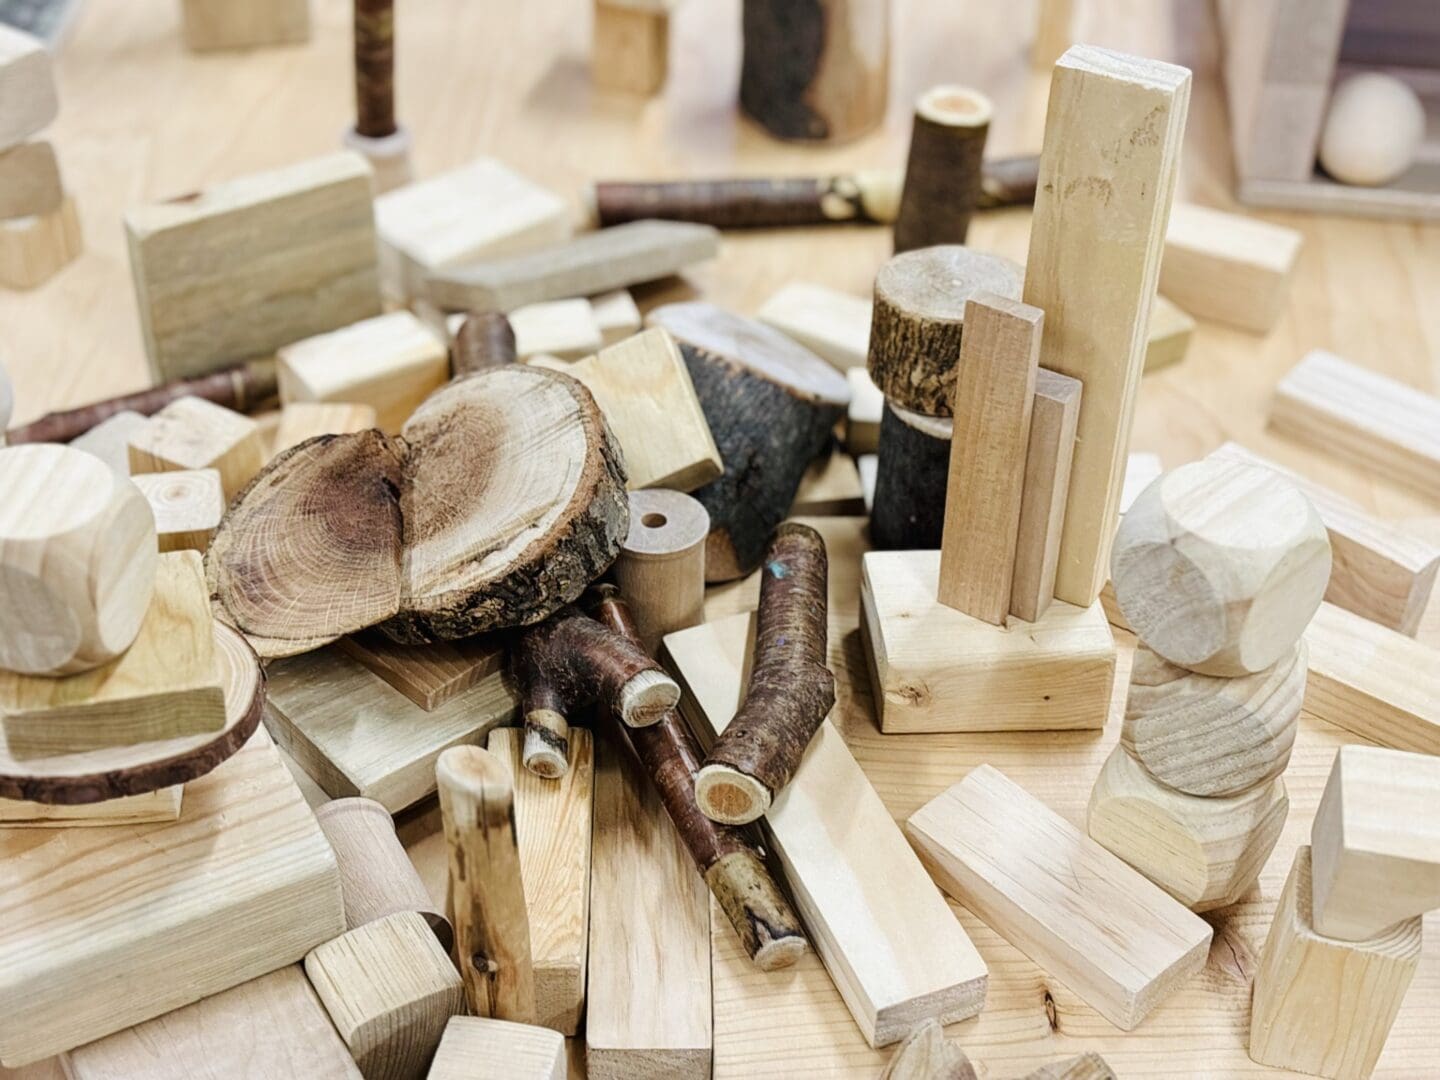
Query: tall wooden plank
<point>1047,490</point>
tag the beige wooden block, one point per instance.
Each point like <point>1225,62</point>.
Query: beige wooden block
<point>27,87</point>
<point>864,413</point>
<point>937,669</point>
<point>34,249</point>
<point>1228,268</point>
<point>830,486</point>
<point>631,47</point>
<point>109,440</point>
<point>391,363</point>
<point>301,420</point>
<point>895,950</point>
<point>294,249</point>
<point>478,1048</point>
<point>223,24</point>
<point>429,675</point>
<point>1076,910</point>
<point>104,928</point>
<point>1322,1006</point>
<point>162,804</point>
<point>1170,333</point>
<point>830,323</point>
<point>29,180</point>
<point>1046,489</point>
<point>566,329</point>
<point>188,505</point>
<point>390,989</point>
<point>1363,417</point>
<point>192,433</point>
<point>616,314</point>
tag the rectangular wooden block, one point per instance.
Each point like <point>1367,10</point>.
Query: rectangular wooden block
<point>192,433</point>
<point>553,825</point>
<point>1228,268</point>
<point>566,329</point>
<point>1095,247</point>
<point>864,413</point>
<point>301,420</point>
<point>357,736</point>
<point>34,249</point>
<point>616,314</point>
<point>1170,333</point>
<point>631,48</point>
<point>223,24</point>
<point>1366,418</point>
<point>429,675</point>
<point>29,180</point>
<point>27,87</point>
<point>1046,488</point>
<point>104,928</point>
<point>164,686</point>
<point>1079,912</point>
<point>293,248</point>
<point>830,486</point>
<point>188,505</point>
<point>478,1048</point>
<point>162,804</point>
<point>895,950</point>
<point>937,669</point>
<point>830,323</point>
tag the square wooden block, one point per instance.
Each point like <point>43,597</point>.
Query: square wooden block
<point>225,24</point>
<point>27,87</point>
<point>35,249</point>
<point>478,1048</point>
<point>192,433</point>
<point>29,180</point>
<point>567,329</point>
<point>1228,268</point>
<point>830,323</point>
<point>188,506</point>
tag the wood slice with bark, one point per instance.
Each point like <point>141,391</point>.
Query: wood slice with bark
<point>770,404</point>
<point>943,173</point>
<point>911,480</point>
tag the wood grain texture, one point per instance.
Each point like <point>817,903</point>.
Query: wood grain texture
<point>479,1048</point>
<point>429,675</point>
<point>192,433</point>
<point>29,179</point>
<point>301,420</point>
<point>188,505</point>
<point>162,804</point>
<point>831,324</point>
<point>927,1055</point>
<point>1228,268</point>
<point>27,78</point>
<point>1045,494</point>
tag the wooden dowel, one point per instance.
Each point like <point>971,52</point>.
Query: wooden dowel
<point>943,174</point>
<point>375,68</point>
<point>485,340</point>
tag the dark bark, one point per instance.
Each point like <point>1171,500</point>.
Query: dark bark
<point>546,748</point>
<point>756,203</point>
<point>1009,181</point>
<point>375,68</point>
<point>485,340</point>
<point>943,174</point>
<point>908,513</point>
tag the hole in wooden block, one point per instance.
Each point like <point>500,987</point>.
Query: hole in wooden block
<point>654,521</point>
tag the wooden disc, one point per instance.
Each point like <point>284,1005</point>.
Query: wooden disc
<point>115,772</point>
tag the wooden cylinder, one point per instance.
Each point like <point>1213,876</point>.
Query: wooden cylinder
<point>375,68</point>
<point>377,878</point>
<point>943,175</point>
<point>919,318</point>
<point>908,513</point>
<point>484,340</point>
<point>487,894</point>
<point>816,70</point>
<point>661,566</point>
<point>752,203</point>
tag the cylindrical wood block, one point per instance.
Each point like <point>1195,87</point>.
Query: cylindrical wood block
<point>484,340</point>
<point>943,176</point>
<point>375,68</point>
<point>816,70</point>
<point>919,318</point>
<point>910,480</point>
<point>377,878</point>
<point>661,566</point>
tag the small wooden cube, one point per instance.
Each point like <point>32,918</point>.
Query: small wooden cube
<point>566,329</point>
<point>27,87</point>
<point>866,410</point>
<point>1229,268</point>
<point>226,24</point>
<point>391,363</point>
<point>188,505</point>
<point>29,180</point>
<point>830,323</point>
<point>109,440</point>
<point>35,249</point>
<point>162,804</point>
<point>617,315</point>
<point>301,420</point>
<point>192,433</point>
<point>478,1048</point>
<point>632,45</point>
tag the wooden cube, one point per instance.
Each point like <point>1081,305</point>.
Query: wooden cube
<point>1228,268</point>
<point>225,24</point>
<point>478,1048</point>
<point>35,249</point>
<point>29,180</point>
<point>829,323</point>
<point>632,45</point>
<point>188,506</point>
<point>192,433</point>
<point>109,440</point>
<point>27,87</point>
<point>301,420</point>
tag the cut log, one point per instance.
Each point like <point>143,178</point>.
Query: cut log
<point>868,197</point>
<point>942,178</point>
<point>484,341</point>
<point>910,480</point>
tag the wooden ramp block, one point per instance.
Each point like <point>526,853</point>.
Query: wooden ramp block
<point>29,180</point>
<point>34,249</point>
<point>897,961</point>
<point>1046,490</point>
<point>864,414</point>
<point>220,24</point>
<point>162,804</point>
<point>301,420</point>
<point>27,86</point>
<point>192,433</point>
<point>1170,333</point>
<point>1363,417</point>
<point>565,329</point>
<point>478,1048</point>
<point>937,669</point>
<point>831,324</point>
<point>188,505</point>
<point>429,675</point>
<point>830,488</point>
<point>295,248</point>
<point>1059,897</point>
<point>243,883</point>
<point>1228,268</point>
<point>631,49</point>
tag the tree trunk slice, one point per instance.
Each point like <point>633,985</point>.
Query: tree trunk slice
<point>911,480</point>
<point>770,404</point>
<point>752,203</point>
<point>919,317</point>
<point>119,771</point>
<point>943,176</point>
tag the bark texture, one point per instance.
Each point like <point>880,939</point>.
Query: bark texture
<point>1009,181</point>
<point>943,173</point>
<point>546,748</point>
<point>912,476</point>
<point>484,341</point>
<point>375,68</point>
<point>752,203</point>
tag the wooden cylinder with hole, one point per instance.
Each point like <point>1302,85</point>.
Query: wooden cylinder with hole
<point>661,566</point>
<point>908,513</point>
<point>943,174</point>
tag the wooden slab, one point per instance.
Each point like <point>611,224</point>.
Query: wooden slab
<point>830,323</point>
<point>566,329</point>
<point>1228,268</point>
<point>479,1048</point>
<point>163,804</point>
<point>429,675</point>
<point>1046,491</point>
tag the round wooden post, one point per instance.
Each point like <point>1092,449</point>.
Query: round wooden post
<point>943,177</point>
<point>661,567</point>
<point>911,479</point>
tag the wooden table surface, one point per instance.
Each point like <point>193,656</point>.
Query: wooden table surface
<point>142,119</point>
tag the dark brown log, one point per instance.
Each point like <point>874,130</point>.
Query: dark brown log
<point>242,388</point>
<point>1009,181</point>
<point>484,341</point>
<point>791,690</point>
<point>770,404</point>
<point>726,855</point>
<point>375,68</point>
<point>919,317</point>
<point>908,513</point>
<point>869,198</point>
<point>943,174</point>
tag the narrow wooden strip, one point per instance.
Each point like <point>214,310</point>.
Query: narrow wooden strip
<point>1047,488</point>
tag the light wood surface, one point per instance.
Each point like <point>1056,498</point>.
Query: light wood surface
<point>1048,457</point>
<point>830,323</point>
<point>193,433</point>
<point>479,1048</point>
<point>29,180</point>
<point>661,566</point>
<point>303,420</point>
<point>429,675</point>
<point>566,329</point>
<point>162,804</point>
<point>1228,268</point>
<point>188,505</point>
<point>27,79</point>
<point>216,24</point>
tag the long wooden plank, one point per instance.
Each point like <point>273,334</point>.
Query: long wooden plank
<point>1047,489</point>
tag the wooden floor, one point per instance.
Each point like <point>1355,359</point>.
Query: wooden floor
<point>141,119</point>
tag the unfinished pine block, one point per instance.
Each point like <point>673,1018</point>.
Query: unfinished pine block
<point>1170,333</point>
<point>34,249</point>
<point>1228,268</point>
<point>938,669</point>
<point>390,990</point>
<point>897,961</point>
<point>616,314</point>
<point>864,414</point>
<point>109,440</point>
<point>162,804</point>
<point>1323,1006</point>
<point>831,324</point>
<point>27,86</point>
<point>1048,456</point>
<point>29,180</point>
<point>220,24</point>
<point>1076,910</point>
<point>1095,249</point>
<point>479,1048</point>
<point>830,488</point>
<point>192,433</point>
<point>1375,842</point>
<point>631,48</point>
<point>301,420</point>
<point>1366,418</point>
<point>429,675</point>
<point>565,329</point>
<point>391,363</point>
<point>661,566</point>
<point>188,505</point>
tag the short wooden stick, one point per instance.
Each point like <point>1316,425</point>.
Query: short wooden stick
<point>661,566</point>
<point>484,340</point>
<point>375,68</point>
<point>943,176</point>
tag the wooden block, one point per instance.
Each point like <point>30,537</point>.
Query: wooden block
<point>1093,265</point>
<point>661,566</point>
<point>391,363</point>
<point>429,675</point>
<point>166,685</point>
<point>390,990</point>
<point>1368,419</point>
<point>192,433</point>
<point>294,247</point>
<point>162,804</point>
<point>1170,333</point>
<point>1375,843</point>
<point>937,669</point>
<point>357,736</point>
<point>552,824</point>
<point>897,961</point>
<point>243,883</point>
<point>631,49</point>
<point>1323,1006</point>
<point>29,179</point>
<point>34,249</point>
<point>1378,570</point>
<point>648,1008</point>
<point>27,86</point>
<point>646,393</point>
<point>477,1048</point>
<point>593,263</point>
<point>188,505</point>
<point>830,323</point>
<point>864,413</point>
<point>830,487</point>
<point>266,1028</point>
<point>109,440</point>
<point>616,314</point>
<point>566,329</point>
<point>301,420</point>
<point>220,24</point>
<point>1228,268</point>
<point>868,465</point>
<point>1062,899</point>
<point>1046,487</point>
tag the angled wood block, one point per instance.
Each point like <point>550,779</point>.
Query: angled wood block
<point>104,928</point>
<point>301,420</point>
<point>830,487</point>
<point>429,675</point>
<point>34,249</point>
<point>1228,268</point>
<point>27,86</point>
<point>1046,489</point>
<point>1059,897</point>
<point>162,804</point>
<point>1170,333</point>
<point>566,329</point>
<point>29,180</point>
<point>109,440</point>
<point>192,433</point>
<point>295,248</point>
<point>478,1048</point>
<point>631,47</point>
<point>937,669</point>
<point>358,736</point>
<point>218,24</point>
<point>616,314</point>
<point>898,961</point>
<point>864,413</point>
<point>188,506</point>
<point>830,323</point>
